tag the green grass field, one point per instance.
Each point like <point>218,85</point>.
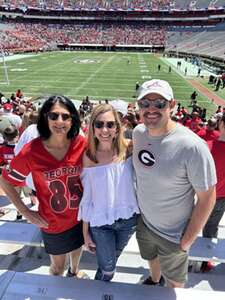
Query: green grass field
<point>100,75</point>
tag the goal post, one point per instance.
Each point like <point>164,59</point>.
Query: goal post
<point>4,78</point>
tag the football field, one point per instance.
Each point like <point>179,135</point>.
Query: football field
<point>99,75</point>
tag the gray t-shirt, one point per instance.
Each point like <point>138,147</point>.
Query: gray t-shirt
<point>169,169</point>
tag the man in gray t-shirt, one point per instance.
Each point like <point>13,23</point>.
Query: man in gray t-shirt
<point>172,164</point>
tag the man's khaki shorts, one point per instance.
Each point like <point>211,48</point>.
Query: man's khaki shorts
<point>173,260</point>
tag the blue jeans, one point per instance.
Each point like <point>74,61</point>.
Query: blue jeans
<point>110,241</point>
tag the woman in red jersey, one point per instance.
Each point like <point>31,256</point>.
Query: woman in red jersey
<point>55,161</point>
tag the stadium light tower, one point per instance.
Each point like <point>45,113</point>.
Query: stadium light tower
<point>4,65</point>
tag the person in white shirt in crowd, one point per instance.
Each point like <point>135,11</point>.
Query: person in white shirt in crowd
<point>13,118</point>
<point>28,135</point>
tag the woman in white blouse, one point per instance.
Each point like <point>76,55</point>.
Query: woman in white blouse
<point>109,206</point>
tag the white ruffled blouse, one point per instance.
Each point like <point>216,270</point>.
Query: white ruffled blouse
<point>109,193</point>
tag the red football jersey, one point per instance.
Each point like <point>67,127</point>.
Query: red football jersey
<point>6,154</point>
<point>57,183</point>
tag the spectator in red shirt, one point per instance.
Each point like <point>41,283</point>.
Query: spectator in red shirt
<point>179,114</point>
<point>217,148</point>
<point>19,94</point>
<point>184,111</point>
<point>210,133</point>
<point>10,135</point>
<point>195,123</point>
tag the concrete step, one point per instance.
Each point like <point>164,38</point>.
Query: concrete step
<point>130,269</point>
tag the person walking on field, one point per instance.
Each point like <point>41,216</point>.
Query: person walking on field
<point>193,97</point>
<point>172,164</point>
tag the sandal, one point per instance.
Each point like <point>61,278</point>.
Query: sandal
<point>3,212</point>
<point>78,275</point>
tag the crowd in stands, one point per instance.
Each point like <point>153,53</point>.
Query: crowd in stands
<point>90,5</point>
<point>196,120</point>
<point>110,5</point>
<point>17,40</point>
<point>22,113</point>
<point>19,111</point>
<point>25,36</point>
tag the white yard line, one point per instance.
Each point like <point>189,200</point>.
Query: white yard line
<point>94,74</point>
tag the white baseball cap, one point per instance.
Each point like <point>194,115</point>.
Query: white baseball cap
<point>156,86</point>
<point>120,106</point>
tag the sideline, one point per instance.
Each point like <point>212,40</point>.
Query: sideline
<point>16,56</point>
<point>192,70</point>
<point>192,79</point>
<point>207,93</point>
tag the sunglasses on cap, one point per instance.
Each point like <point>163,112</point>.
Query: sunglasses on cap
<point>54,116</point>
<point>101,124</point>
<point>158,103</point>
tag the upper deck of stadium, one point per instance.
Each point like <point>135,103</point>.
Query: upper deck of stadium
<point>129,5</point>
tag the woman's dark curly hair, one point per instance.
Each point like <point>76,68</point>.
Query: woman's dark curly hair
<point>42,124</point>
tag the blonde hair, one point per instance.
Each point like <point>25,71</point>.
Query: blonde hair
<point>119,143</point>
<point>29,118</point>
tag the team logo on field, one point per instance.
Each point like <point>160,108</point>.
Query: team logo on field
<point>146,77</point>
<point>146,158</point>
<point>87,61</point>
